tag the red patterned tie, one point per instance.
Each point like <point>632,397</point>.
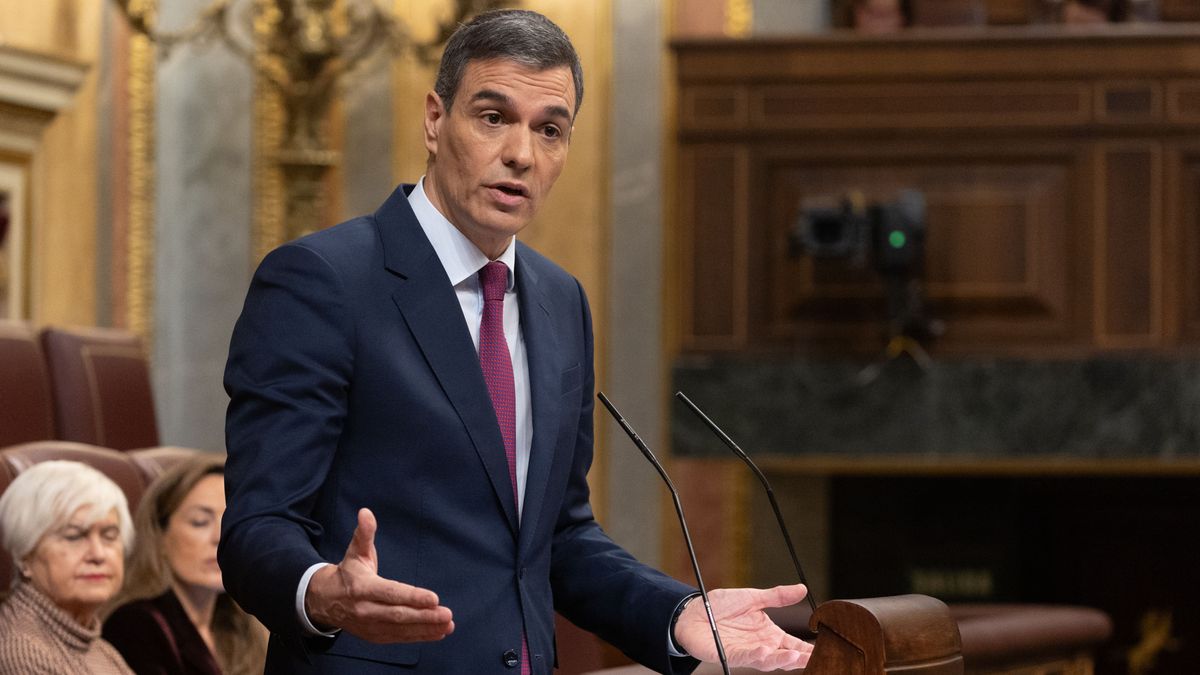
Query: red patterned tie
<point>498,374</point>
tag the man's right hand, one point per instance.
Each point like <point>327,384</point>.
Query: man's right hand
<point>353,597</point>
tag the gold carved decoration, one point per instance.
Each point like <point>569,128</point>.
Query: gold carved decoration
<point>1155,627</point>
<point>739,18</point>
<point>300,50</point>
<point>269,198</point>
<point>140,242</point>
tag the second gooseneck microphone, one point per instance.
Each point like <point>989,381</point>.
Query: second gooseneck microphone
<point>787,539</point>
<point>637,440</point>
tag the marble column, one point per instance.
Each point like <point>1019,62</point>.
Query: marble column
<point>635,371</point>
<point>202,259</point>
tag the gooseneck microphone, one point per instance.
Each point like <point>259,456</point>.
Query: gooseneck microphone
<point>637,440</point>
<point>787,539</point>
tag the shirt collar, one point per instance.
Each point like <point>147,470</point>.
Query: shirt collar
<point>460,258</point>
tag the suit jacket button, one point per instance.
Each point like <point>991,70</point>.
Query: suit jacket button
<point>510,659</point>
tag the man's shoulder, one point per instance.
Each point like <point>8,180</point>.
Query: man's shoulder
<point>544,268</point>
<point>350,244</point>
<point>347,249</point>
<point>356,235</point>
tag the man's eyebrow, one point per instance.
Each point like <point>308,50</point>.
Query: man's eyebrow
<point>503,99</point>
<point>491,95</point>
<point>557,111</point>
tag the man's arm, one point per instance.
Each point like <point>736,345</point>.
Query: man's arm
<point>601,588</point>
<point>290,361</point>
<point>289,371</point>
<point>597,584</point>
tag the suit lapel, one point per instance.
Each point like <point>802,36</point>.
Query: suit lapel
<point>541,348</point>
<point>428,305</point>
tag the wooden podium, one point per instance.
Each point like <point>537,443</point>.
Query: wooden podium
<point>909,634</point>
<point>903,634</point>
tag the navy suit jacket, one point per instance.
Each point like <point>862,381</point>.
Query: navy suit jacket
<point>353,382</point>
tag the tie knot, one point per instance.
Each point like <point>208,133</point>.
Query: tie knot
<point>494,279</point>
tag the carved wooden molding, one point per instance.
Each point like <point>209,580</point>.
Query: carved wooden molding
<point>33,88</point>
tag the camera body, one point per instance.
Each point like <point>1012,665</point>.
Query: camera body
<point>890,236</point>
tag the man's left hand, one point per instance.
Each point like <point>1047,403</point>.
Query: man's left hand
<point>750,638</point>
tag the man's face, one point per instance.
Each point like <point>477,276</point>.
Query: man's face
<point>497,152</point>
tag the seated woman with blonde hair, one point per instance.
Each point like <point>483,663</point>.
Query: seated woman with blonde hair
<point>175,617</point>
<point>67,527</point>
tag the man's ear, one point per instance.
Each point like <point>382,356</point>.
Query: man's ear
<point>435,114</point>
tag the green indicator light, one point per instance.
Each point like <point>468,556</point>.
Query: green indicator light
<point>897,239</point>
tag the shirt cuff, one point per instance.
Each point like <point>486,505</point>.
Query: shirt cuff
<point>301,591</point>
<point>673,647</point>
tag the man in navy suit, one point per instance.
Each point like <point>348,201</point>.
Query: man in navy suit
<point>392,508</point>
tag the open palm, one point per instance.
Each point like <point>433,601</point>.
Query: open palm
<point>749,636</point>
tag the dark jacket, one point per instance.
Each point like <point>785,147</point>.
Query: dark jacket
<point>156,637</point>
<point>354,383</point>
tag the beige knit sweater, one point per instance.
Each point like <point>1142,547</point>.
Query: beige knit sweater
<point>38,638</point>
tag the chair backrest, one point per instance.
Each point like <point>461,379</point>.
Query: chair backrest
<point>102,393</point>
<point>152,462</point>
<point>26,404</point>
<point>117,465</point>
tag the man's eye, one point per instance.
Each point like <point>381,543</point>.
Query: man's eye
<point>552,132</point>
<point>492,118</point>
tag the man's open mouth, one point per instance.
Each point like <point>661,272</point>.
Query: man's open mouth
<point>512,190</point>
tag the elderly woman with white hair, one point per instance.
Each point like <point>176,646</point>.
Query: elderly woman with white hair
<point>67,528</point>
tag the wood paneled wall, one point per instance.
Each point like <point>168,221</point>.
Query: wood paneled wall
<point>1060,168</point>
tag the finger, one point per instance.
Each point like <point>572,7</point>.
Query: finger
<point>391,624</point>
<point>362,544</point>
<point>434,618</point>
<point>765,658</point>
<point>385,633</point>
<point>394,593</point>
<point>783,596</point>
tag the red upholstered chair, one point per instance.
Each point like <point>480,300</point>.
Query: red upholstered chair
<point>26,405</point>
<point>116,465</point>
<point>102,391</point>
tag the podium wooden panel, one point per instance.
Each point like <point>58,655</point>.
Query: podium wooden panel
<point>909,634</point>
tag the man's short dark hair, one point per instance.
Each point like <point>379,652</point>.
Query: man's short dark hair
<point>518,35</point>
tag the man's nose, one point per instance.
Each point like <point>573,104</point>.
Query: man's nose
<point>518,148</point>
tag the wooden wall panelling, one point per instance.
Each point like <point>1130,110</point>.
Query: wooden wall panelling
<point>921,105</point>
<point>713,211</point>
<point>1183,101</point>
<point>1179,10</point>
<point>1129,101</point>
<point>714,108</point>
<point>966,55</point>
<point>1183,213</point>
<point>1129,235</point>
<point>1046,148</point>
